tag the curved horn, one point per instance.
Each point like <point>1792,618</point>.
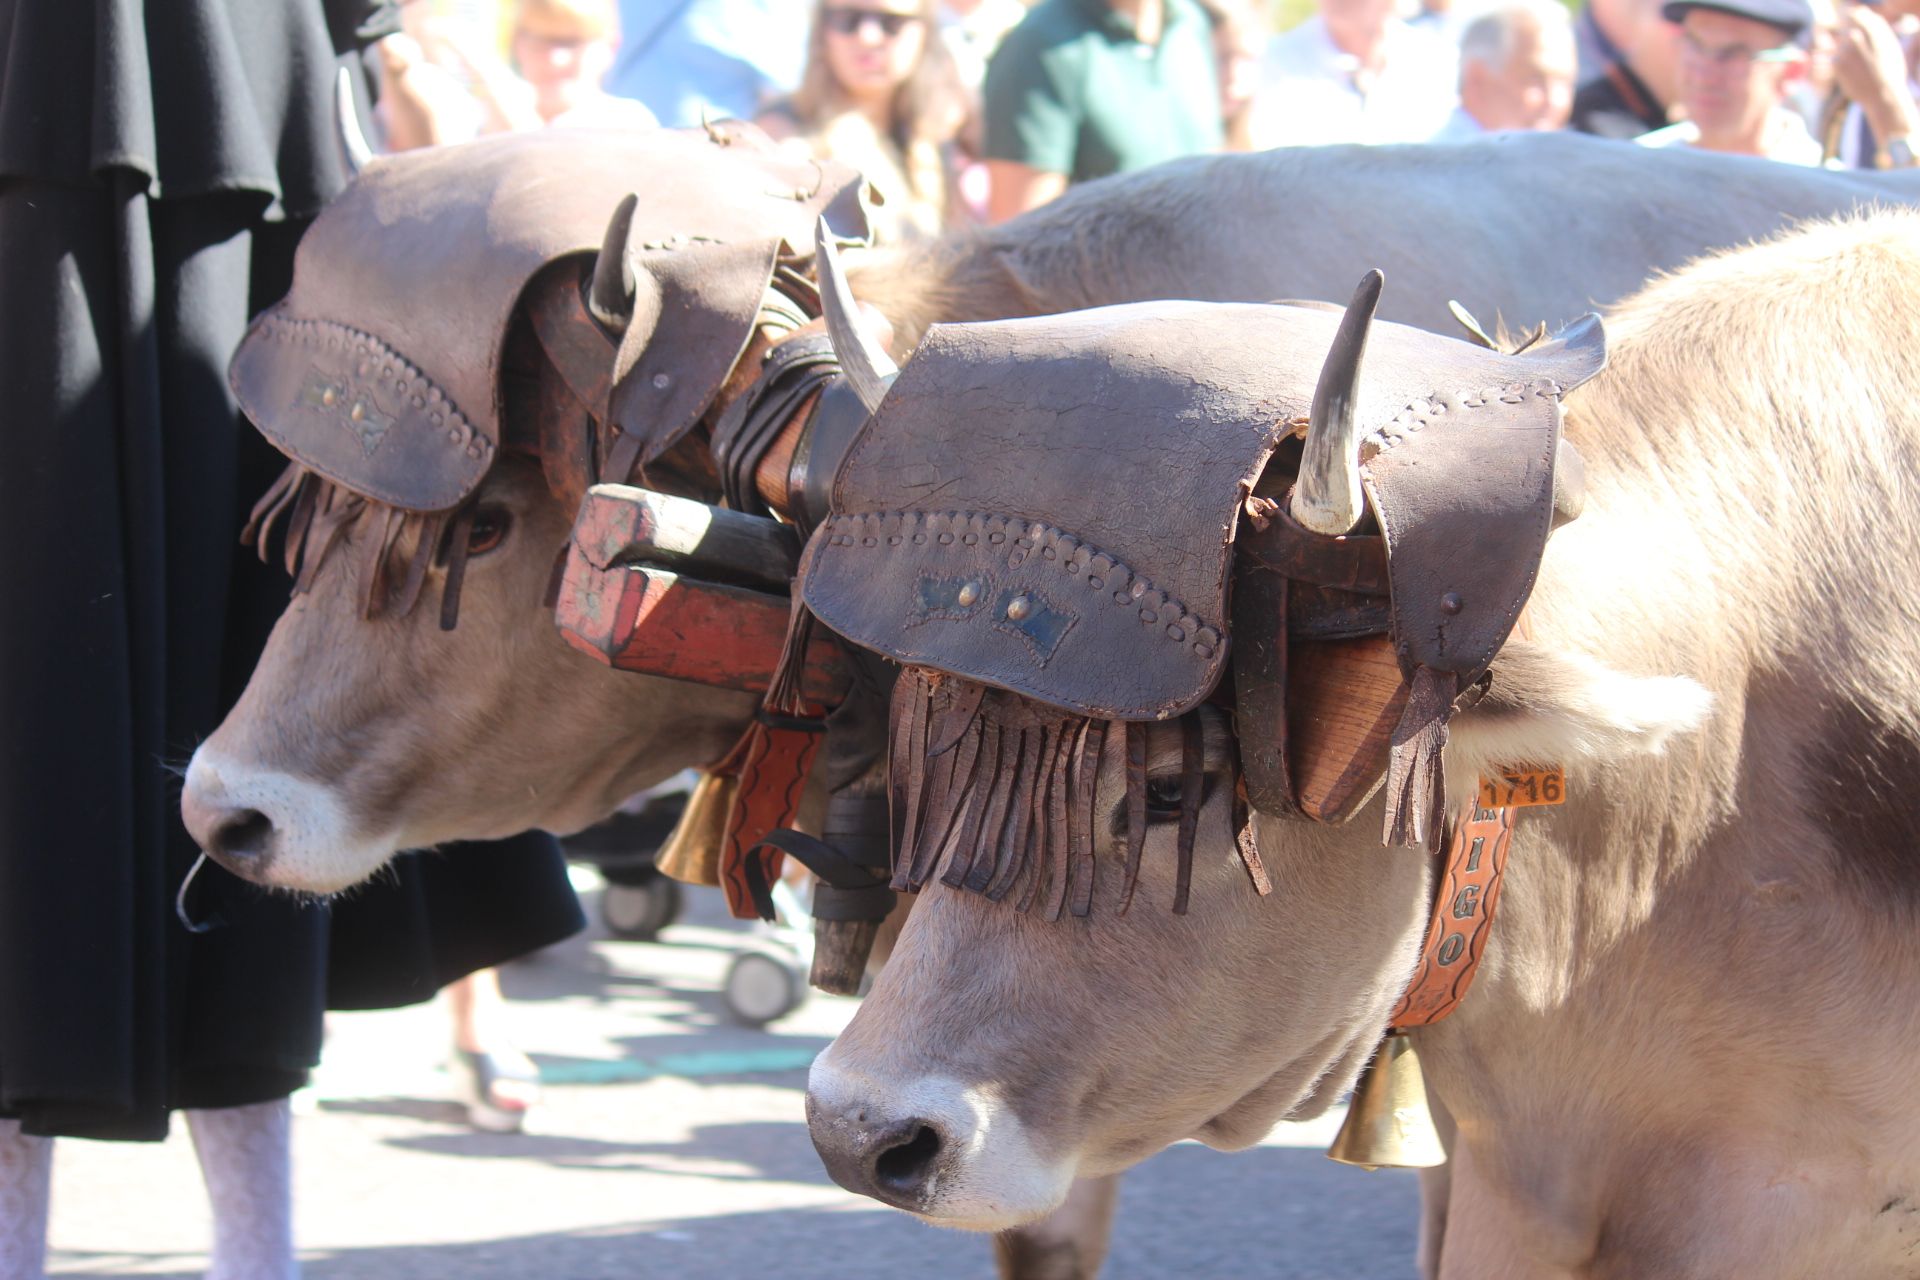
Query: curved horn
<point>355,151</point>
<point>868,368</point>
<point>1326,496</point>
<point>610,297</point>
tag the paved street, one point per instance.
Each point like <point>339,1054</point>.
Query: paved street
<point>672,1144</point>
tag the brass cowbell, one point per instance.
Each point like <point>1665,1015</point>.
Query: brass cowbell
<point>1388,1124</point>
<point>692,853</point>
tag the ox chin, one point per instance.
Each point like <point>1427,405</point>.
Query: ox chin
<point>276,830</point>
<point>951,1154</point>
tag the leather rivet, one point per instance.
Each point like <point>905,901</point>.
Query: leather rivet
<point>1019,607</point>
<point>454,436</point>
<point>328,396</point>
<point>893,540</point>
<point>969,592</point>
<point>996,538</point>
<point>1122,597</point>
<point>1176,634</point>
<point>1072,567</point>
<point>1203,650</point>
<point>358,411</point>
<point>1096,583</point>
<point>970,538</point>
<point>387,372</point>
<point>1451,602</point>
<point>661,381</point>
<point>869,542</point>
<point>919,538</point>
<point>1148,615</point>
<point>436,419</point>
<point>945,539</point>
<point>1047,552</point>
<point>419,402</point>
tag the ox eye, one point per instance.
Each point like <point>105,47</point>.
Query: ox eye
<point>490,526</point>
<point>1163,800</point>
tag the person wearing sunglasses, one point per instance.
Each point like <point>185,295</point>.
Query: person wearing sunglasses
<point>1738,59</point>
<point>880,92</point>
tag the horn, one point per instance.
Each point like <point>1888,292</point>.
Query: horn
<point>610,297</point>
<point>355,151</point>
<point>1388,1124</point>
<point>1327,497</point>
<point>868,368</point>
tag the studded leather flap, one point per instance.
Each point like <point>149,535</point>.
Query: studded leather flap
<point>380,370</point>
<point>1048,505</point>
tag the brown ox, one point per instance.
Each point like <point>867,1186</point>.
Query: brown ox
<point>357,739</point>
<point>1689,1049</point>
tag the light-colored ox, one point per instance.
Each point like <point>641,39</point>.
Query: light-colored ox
<point>1691,1048</point>
<point>355,739</point>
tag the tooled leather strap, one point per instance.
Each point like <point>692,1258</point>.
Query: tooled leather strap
<point>1466,893</point>
<point>792,372</point>
<point>772,761</point>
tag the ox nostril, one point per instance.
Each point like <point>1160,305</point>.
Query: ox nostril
<point>905,1167</point>
<point>241,836</point>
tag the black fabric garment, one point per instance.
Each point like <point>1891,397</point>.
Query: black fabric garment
<point>155,171</point>
<point>1616,104</point>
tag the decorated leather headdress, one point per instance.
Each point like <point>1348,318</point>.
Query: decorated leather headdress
<point>380,373</point>
<point>1040,521</point>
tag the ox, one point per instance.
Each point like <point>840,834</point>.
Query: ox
<point>356,739</point>
<point>1689,1048</point>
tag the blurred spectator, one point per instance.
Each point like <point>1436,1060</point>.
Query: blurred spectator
<point>1875,70</point>
<point>721,58</point>
<point>561,51</point>
<point>1239,40</point>
<point>1602,33</point>
<point>880,93</point>
<point>1737,60</point>
<point>1637,85</point>
<point>1448,20</point>
<point>1516,72</point>
<point>1354,73</point>
<point>973,29</point>
<point>1084,88</point>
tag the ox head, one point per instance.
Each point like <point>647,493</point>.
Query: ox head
<point>452,369</point>
<point>1125,935</point>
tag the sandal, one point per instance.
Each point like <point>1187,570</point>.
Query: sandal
<point>497,1088</point>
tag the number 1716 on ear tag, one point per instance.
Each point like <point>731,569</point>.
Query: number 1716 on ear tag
<point>1519,788</point>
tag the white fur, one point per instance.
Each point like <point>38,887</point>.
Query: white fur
<point>314,847</point>
<point>1561,708</point>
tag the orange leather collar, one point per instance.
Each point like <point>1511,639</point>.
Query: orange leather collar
<point>1464,899</point>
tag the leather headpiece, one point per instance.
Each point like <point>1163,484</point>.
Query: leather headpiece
<point>1040,517</point>
<point>380,370</point>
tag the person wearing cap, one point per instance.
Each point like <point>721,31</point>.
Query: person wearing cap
<point>1738,59</point>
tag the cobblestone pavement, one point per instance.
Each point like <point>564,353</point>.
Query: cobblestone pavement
<point>671,1144</point>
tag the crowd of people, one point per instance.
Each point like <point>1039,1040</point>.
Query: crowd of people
<point>976,110</point>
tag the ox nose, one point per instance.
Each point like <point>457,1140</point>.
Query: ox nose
<point>893,1161</point>
<point>239,839</point>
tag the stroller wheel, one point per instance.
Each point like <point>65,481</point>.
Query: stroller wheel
<point>762,986</point>
<point>638,912</point>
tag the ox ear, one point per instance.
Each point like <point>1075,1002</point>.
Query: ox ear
<point>1546,708</point>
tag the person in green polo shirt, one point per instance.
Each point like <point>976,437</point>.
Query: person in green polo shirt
<point>1084,88</point>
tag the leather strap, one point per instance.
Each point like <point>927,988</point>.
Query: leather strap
<point>791,373</point>
<point>772,761</point>
<point>1467,891</point>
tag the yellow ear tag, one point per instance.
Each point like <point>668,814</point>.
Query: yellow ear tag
<point>1520,788</point>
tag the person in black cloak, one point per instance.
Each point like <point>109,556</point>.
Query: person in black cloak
<point>157,166</point>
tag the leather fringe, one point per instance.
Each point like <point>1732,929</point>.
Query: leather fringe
<point>1193,783</point>
<point>1416,782</point>
<point>313,514</point>
<point>783,691</point>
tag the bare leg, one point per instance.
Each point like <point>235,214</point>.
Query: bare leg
<point>499,1083</point>
<point>1068,1244</point>
<point>26,1174</point>
<point>245,1158</point>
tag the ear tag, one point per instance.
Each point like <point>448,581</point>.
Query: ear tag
<point>1522,788</point>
